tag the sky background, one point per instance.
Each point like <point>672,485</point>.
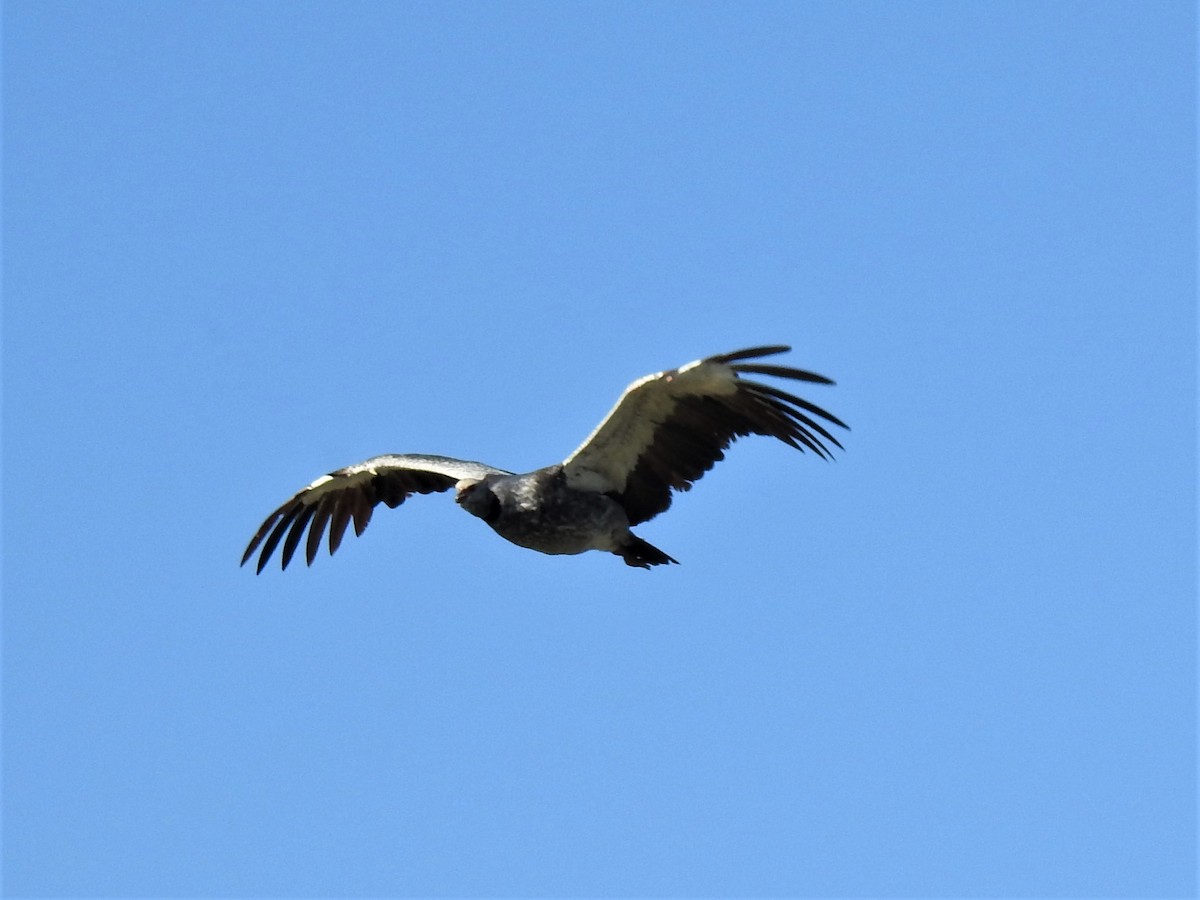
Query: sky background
<point>247,243</point>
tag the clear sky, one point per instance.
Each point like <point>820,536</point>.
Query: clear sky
<point>247,243</point>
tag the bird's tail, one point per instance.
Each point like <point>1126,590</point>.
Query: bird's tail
<point>643,555</point>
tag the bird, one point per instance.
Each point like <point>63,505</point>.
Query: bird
<point>666,430</point>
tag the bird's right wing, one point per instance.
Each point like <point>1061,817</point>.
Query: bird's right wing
<point>352,493</point>
<point>669,428</point>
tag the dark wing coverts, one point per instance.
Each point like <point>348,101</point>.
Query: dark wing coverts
<point>668,429</point>
<point>352,494</point>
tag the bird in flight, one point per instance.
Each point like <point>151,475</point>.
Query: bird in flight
<point>665,432</point>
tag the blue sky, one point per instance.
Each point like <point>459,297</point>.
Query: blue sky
<point>247,243</point>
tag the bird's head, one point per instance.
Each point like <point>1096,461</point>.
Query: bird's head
<point>477,498</point>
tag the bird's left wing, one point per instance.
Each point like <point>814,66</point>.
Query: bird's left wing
<point>669,428</point>
<point>352,493</point>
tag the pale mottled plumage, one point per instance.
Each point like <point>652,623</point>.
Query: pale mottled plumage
<point>665,432</point>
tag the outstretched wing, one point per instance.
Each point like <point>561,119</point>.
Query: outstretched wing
<point>352,493</point>
<point>669,428</point>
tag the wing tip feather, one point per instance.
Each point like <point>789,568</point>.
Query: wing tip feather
<point>750,353</point>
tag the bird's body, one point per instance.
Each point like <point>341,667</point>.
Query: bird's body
<point>539,510</point>
<point>665,432</point>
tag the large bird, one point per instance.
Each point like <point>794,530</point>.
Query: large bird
<point>665,432</point>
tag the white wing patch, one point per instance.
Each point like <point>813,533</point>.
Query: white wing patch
<point>344,479</point>
<point>605,459</point>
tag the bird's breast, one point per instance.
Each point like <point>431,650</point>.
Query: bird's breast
<point>541,512</point>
